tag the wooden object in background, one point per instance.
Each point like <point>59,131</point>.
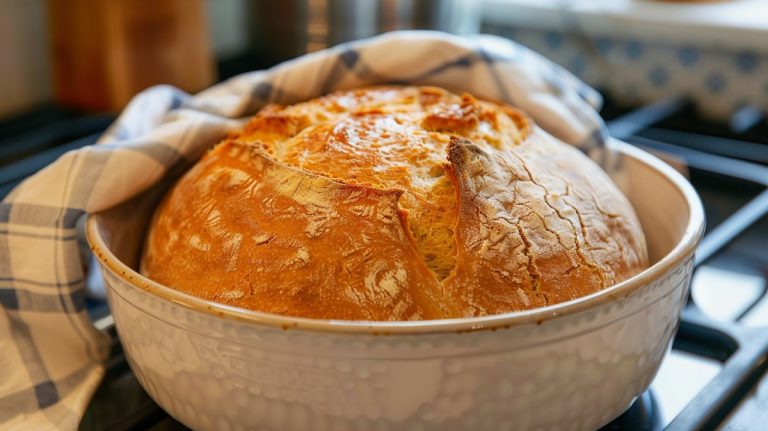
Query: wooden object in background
<point>106,51</point>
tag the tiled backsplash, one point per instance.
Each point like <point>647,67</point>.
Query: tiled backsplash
<point>634,70</point>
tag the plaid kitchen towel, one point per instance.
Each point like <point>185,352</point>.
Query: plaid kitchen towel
<point>51,357</point>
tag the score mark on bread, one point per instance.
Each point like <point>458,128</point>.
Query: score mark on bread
<point>314,245</point>
<point>393,203</point>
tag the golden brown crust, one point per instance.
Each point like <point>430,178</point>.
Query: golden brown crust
<point>393,203</point>
<point>247,231</point>
<point>390,137</point>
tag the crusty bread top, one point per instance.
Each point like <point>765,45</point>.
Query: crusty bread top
<point>393,203</point>
<point>390,137</point>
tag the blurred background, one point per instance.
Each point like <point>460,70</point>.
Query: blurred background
<point>94,55</point>
<point>687,80</point>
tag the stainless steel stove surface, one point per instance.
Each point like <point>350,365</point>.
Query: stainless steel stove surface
<point>714,377</point>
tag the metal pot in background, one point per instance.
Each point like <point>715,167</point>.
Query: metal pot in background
<point>280,30</point>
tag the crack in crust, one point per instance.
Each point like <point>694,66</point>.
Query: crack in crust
<point>578,235</point>
<point>285,220</point>
<point>535,245</point>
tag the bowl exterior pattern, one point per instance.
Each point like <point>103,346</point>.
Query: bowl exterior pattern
<point>573,372</point>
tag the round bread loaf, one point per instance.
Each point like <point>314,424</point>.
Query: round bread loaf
<point>393,203</point>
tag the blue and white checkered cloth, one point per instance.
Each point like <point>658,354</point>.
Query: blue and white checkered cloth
<point>51,357</point>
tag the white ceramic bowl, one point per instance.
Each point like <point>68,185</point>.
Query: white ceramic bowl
<point>575,365</point>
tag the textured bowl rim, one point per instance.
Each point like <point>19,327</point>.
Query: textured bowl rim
<point>684,249</point>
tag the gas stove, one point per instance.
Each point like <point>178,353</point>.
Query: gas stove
<point>716,374</point>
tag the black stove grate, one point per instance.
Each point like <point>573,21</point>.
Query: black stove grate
<point>742,350</point>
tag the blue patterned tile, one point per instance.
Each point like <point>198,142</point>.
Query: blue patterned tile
<point>603,45</point>
<point>658,76</point>
<point>634,49</point>
<point>554,40</point>
<point>688,56</point>
<point>746,61</point>
<point>716,82</point>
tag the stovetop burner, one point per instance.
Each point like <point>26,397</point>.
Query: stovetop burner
<point>715,375</point>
